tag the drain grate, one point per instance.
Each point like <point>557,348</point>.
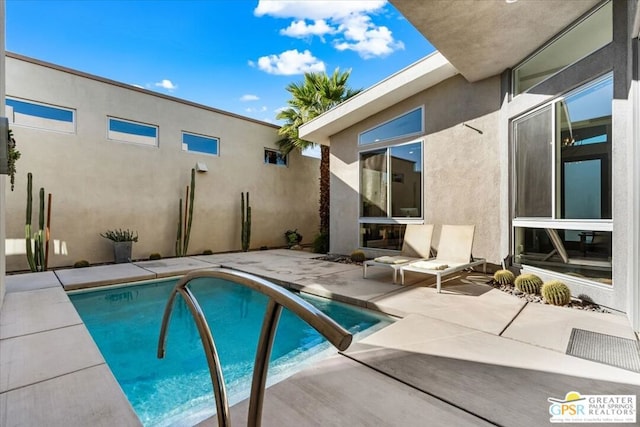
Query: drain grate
<point>608,349</point>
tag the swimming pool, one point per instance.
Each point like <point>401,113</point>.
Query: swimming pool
<point>125,323</point>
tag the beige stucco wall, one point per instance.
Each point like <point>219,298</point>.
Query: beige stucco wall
<point>462,168</point>
<point>99,184</point>
<point>2,178</point>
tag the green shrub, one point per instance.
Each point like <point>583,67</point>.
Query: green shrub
<point>528,283</point>
<point>155,255</point>
<point>293,237</point>
<point>207,252</point>
<point>358,256</point>
<point>555,292</point>
<point>82,263</point>
<point>321,243</point>
<point>504,277</point>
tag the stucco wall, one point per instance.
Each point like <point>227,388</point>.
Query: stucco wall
<point>461,166</point>
<point>99,184</point>
<point>2,178</point>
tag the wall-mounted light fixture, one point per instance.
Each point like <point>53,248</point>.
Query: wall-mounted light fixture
<point>201,167</point>
<point>471,127</point>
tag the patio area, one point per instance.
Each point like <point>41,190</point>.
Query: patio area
<point>472,355</point>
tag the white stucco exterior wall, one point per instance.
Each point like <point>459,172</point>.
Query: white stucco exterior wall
<point>99,184</point>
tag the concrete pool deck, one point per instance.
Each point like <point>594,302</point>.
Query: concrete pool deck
<point>471,355</point>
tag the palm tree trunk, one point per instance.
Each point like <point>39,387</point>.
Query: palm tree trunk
<point>324,189</point>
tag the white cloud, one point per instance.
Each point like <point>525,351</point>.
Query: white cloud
<point>349,21</point>
<point>249,97</point>
<point>318,9</point>
<point>368,40</point>
<point>256,110</point>
<point>300,29</point>
<point>166,84</point>
<point>289,63</point>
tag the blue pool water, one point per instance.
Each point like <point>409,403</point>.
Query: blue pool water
<point>125,324</point>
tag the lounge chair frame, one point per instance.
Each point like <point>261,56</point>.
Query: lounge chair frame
<point>416,246</point>
<point>454,254</point>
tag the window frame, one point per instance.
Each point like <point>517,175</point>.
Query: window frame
<point>134,122</point>
<point>390,219</point>
<point>185,146</point>
<point>279,152</point>
<point>550,43</point>
<point>395,137</point>
<point>13,122</point>
<point>554,220</point>
<point>553,216</point>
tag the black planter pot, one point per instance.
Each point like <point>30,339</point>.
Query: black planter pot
<point>122,251</point>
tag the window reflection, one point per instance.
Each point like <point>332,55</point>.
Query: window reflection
<point>407,124</point>
<point>584,136</point>
<point>382,236</point>
<point>580,253</point>
<point>391,182</point>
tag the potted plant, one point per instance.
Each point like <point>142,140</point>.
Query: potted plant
<point>293,237</point>
<point>122,243</point>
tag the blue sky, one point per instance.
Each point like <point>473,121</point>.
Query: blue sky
<point>235,55</point>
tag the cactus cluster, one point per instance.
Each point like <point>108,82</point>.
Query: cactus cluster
<point>504,277</point>
<point>555,292</point>
<point>358,256</point>
<point>184,229</point>
<point>37,253</point>
<point>528,283</point>
<point>245,233</point>
<point>120,235</point>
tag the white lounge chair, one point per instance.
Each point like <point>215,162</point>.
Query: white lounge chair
<point>416,246</point>
<point>454,254</point>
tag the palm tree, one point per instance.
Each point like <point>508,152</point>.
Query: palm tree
<point>315,95</point>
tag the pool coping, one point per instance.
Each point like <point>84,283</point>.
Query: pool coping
<point>317,278</point>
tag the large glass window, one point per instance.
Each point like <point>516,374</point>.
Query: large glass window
<point>200,143</point>
<point>390,193</point>
<point>589,35</point>
<point>562,189</point>
<point>41,116</point>
<point>408,124</point>
<point>128,131</point>
<point>391,182</point>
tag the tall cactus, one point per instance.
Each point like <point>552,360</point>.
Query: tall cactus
<point>246,222</point>
<point>27,227</point>
<point>182,238</point>
<point>36,251</point>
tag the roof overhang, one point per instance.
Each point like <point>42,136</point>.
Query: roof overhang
<point>417,77</point>
<point>484,38</point>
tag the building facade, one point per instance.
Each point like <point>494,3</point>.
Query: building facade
<point>118,156</point>
<point>524,123</point>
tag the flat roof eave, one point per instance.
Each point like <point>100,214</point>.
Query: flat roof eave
<point>415,78</point>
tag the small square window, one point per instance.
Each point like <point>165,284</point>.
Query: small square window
<point>274,157</point>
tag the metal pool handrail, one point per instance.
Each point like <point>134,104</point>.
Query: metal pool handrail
<point>278,298</point>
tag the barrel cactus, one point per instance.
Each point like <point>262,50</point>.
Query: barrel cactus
<point>504,277</point>
<point>358,256</point>
<point>555,292</point>
<point>528,283</point>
